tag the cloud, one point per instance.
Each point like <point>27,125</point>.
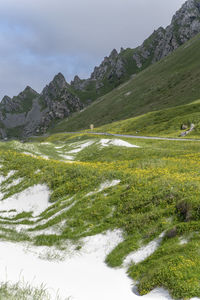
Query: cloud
<point>39,38</point>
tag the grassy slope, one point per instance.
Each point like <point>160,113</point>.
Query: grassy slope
<point>166,122</point>
<point>171,82</point>
<point>159,191</point>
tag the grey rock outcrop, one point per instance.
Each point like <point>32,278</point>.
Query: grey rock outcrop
<point>185,24</point>
<point>33,113</point>
<point>112,68</point>
<point>59,102</point>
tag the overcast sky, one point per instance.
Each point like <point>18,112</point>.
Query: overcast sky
<point>39,38</point>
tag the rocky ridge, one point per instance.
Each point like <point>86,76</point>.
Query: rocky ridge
<point>30,113</point>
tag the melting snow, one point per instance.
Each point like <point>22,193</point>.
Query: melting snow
<point>83,275</point>
<point>67,157</point>
<point>183,241</point>
<point>128,94</point>
<point>116,142</point>
<point>59,147</point>
<point>81,147</point>
<point>103,186</point>
<point>144,252</point>
<point>14,182</point>
<point>33,199</point>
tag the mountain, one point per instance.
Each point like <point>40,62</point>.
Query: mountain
<point>119,67</point>
<point>171,82</point>
<point>30,113</point>
<point>147,88</point>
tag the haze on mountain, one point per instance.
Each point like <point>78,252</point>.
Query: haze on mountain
<point>42,38</point>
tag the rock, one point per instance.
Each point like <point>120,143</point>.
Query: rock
<point>192,126</point>
<point>171,233</point>
<point>184,127</point>
<point>34,112</point>
<point>185,24</point>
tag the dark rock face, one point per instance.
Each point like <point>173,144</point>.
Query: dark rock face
<point>33,112</point>
<point>60,102</point>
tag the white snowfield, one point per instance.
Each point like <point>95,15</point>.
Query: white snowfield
<point>78,274</point>
<point>81,275</point>
<point>143,252</point>
<point>116,142</point>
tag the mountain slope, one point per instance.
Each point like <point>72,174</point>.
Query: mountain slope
<point>119,67</point>
<point>170,122</point>
<point>30,113</point>
<point>171,82</point>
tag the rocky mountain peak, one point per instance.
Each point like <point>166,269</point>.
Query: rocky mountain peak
<point>113,53</point>
<point>59,81</point>
<point>54,88</point>
<point>188,16</point>
<point>185,24</point>
<point>6,99</point>
<point>76,80</point>
<point>28,89</point>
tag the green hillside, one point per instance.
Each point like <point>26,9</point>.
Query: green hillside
<point>166,122</point>
<point>171,82</point>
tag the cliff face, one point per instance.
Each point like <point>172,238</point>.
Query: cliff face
<point>30,112</point>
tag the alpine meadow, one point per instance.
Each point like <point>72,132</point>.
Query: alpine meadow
<point>100,177</point>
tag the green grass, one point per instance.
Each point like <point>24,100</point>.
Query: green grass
<point>166,122</point>
<point>19,291</point>
<point>172,82</point>
<point>158,192</point>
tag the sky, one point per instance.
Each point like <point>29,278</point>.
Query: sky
<point>39,38</point>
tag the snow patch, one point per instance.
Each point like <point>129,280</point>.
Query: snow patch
<point>81,147</point>
<point>48,230</point>
<point>183,241</point>
<point>30,154</point>
<point>144,252</point>
<point>84,269</point>
<point>103,186</point>
<point>68,157</point>
<point>33,199</point>
<point>44,156</point>
<point>116,142</point>
<point>59,147</point>
<point>14,182</point>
